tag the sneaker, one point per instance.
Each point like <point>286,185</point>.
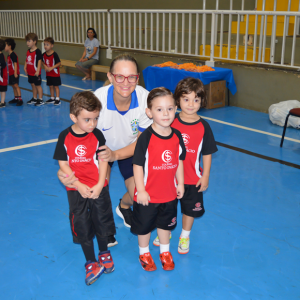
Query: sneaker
<point>111,241</point>
<point>167,261</point>
<point>13,101</point>
<point>19,103</point>
<point>106,261</point>
<point>50,101</point>
<point>156,241</point>
<point>147,262</point>
<point>184,245</point>
<point>39,102</point>
<point>125,214</point>
<point>2,105</point>
<point>32,101</point>
<point>57,102</point>
<point>93,271</point>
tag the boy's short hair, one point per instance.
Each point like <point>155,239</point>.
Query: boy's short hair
<point>11,43</point>
<point>49,40</point>
<point>2,45</point>
<point>187,86</point>
<point>31,36</point>
<point>158,92</point>
<point>84,100</point>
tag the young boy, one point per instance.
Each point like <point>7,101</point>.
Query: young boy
<point>32,68</point>
<point>51,64</point>
<point>13,71</point>
<point>3,75</point>
<point>157,163</point>
<point>90,204</point>
<point>199,140</point>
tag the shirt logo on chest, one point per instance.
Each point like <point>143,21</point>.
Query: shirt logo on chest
<point>135,126</point>
<point>80,150</point>
<point>186,140</point>
<point>47,62</point>
<point>166,156</point>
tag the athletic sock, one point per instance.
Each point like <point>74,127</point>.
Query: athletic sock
<point>88,250</point>
<point>144,250</point>
<point>52,98</point>
<point>57,98</point>
<point>102,242</point>
<point>185,233</point>
<point>34,98</point>
<point>164,248</point>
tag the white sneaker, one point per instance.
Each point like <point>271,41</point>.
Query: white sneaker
<point>184,245</point>
<point>156,241</point>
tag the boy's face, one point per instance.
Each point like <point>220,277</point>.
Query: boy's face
<point>86,121</point>
<point>162,111</point>
<point>190,103</point>
<point>7,48</point>
<point>48,46</point>
<point>31,44</point>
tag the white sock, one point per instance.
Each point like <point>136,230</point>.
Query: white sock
<point>57,98</point>
<point>185,233</point>
<point>144,250</point>
<point>164,248</point>
<point>52,98</point>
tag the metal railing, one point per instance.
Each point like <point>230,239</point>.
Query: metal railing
<point>195,33</point>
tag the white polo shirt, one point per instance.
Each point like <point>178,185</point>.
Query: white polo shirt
<point>121,129</point>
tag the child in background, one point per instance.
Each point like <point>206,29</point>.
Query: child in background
<point>90,204</point>
<point>3,74</point>
<point>51,64</point>
<point>13,71</point>
<point>199,140</point>
<point>157,163</point>
<point>32,68</point>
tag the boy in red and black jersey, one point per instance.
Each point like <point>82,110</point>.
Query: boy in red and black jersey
<point>199,141</point>
<point>51,64</point>
<point>33,69</point>
<point>3,74</point>
<point>13,71</point>
<point>89,201</point>
<point>157,163</point>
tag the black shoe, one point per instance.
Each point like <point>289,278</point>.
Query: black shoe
<point>32,101</point>
<point>50,101</point>
<point>2,105</point>
<point>39,102</point>
<point>111,241</point>
<point>13,101</point>
<point>19,103</point>
<point>125,214</point>
<point>57,102</point>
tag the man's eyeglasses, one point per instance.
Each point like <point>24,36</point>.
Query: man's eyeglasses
<point>121,78</point>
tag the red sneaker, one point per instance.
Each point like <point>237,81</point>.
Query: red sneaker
<point>106,261</point>
<point>147,262</point>
<point>167,261</point>
<point>93,272</point>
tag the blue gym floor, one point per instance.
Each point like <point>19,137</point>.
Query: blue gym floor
<point>246,246</point>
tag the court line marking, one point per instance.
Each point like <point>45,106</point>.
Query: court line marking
<point>69,86</point>
<point>28,145</point>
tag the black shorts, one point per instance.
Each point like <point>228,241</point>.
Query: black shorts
<point>90,216</point>
<point>192,201</point>
<point>3,88</point>
<point>36,80</point>
<point>53,81</point>
<point>13,80</point>
<point>125,167</point>
<point>155,215</point>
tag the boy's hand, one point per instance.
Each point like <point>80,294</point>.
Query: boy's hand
<point>203,181</point>
<point>16,75</point>
<point>36,74</point>
<point>143,198</point>
<point>180,191</point>
<point>83,190</point>
<point>95,191</point>
<point>81,60</point>
<point>25,70</point>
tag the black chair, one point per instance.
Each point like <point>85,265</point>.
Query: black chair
<point>293,112</point>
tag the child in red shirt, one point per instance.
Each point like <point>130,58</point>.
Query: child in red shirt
<point>3,74</point>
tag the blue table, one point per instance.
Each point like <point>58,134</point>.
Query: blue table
<point>168,77</point>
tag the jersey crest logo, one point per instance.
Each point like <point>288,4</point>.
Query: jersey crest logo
<point>135,126</point>
<point>47,62</point>
<point>185,138</point>
<point>29,58</point>
<point>80,150</point>
<point>166,156</point>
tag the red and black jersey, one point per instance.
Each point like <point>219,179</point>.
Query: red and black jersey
<point>11,59</point>
<point>3,70</point>
<point>199,140</point>
<point>50,61</point>
<point>32,59</point>
<point>159,156</point>
<point>80,150</point>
